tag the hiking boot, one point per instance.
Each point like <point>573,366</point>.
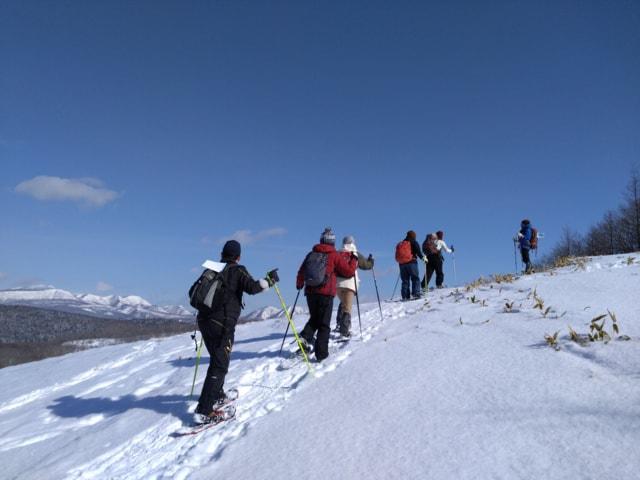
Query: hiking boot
<point>345,325</point>
<point>339,316</point>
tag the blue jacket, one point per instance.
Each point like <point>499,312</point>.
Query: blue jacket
<point>525,240</point>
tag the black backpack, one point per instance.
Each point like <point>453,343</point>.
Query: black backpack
<point>207,290</point>
<point>315,269</point>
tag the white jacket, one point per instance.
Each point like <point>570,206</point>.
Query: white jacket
<point>440,245</point>
<point>349,282</point>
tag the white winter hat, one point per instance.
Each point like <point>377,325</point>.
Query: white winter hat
<point>348,239</point>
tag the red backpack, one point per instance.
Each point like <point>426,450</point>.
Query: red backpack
<point>403,252</point>
<point>534,238</point>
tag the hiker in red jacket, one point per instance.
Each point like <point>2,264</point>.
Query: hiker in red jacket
<point>318,275</point>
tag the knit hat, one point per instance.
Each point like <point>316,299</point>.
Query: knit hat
<point>231,250</point>
<point>440,234</point>
<point>348,239</point>
<point>328,237</point>
<point>411,234</point>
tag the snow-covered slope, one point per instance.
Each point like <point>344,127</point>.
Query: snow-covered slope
<point>463,387</point>
<point>128,307</point>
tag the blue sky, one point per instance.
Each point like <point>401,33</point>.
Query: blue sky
<point>170,126</point>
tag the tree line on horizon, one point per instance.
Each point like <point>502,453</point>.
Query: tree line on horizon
<point>617,232</point>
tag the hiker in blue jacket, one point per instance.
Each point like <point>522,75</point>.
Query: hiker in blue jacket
<point>524,241</point>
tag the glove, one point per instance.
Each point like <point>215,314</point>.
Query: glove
<point>452,249</point>
<point>299,286</point>
<point>272,277</point>
<point>424,259</point>
<point>370,259</point>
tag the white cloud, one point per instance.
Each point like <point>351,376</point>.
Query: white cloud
<point>247,237</point>
<point>89,191</point>
<point>103,287</point>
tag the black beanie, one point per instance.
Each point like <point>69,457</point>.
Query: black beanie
<point>231,250</point>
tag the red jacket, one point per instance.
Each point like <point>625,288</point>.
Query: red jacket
<point>336,264</point>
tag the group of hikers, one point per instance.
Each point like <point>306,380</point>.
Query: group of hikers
<point>408,252</point>
<point>324,273</point>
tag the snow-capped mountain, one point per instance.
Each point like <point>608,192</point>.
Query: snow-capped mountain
<point>113,306</point>
<point>270,313</point>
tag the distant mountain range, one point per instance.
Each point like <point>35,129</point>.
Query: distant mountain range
<point>131,307</point>
<point>269,313</point>
<point>110,306</point>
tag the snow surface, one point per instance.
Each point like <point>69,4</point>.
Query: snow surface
<point>448,389</point>
<point>129,307</point>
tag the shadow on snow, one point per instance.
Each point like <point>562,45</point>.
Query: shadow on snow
<point>74,407</point>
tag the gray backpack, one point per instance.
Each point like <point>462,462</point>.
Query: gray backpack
<point>203,292</point>
<point>315,269</point>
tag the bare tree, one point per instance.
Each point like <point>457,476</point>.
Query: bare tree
<point>617,232</point>
<point>631,209</point>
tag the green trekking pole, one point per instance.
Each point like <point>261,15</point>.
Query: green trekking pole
<point>197,363</point>
<point>293,327</point>
<point>293,312</point>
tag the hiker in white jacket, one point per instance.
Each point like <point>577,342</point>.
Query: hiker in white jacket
<point>440,244</point>
<point>347,287</point>
<point>432,247</point>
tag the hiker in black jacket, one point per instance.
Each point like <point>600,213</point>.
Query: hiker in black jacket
<point>218,326</point>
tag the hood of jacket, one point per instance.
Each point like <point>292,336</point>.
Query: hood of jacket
<point>324,248</point>
<point>350,247</point>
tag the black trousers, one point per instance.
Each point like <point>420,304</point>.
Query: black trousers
<point>218,339</point>
<point>320,308</point>
<point>526,259</point>
<point>434,264</point>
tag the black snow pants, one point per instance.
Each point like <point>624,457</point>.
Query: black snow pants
<point>320,309</point>
<point>434,264</point>
<point>218,339</point>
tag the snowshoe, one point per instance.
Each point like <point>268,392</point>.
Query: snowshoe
<point>308,348</point>
<point>203,422</point>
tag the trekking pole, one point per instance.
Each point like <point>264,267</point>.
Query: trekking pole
<point>394,288</point>
<point>426,290</point>
<point>197,363</point>
<point>355,281</point>
<point>293,311</point>
<point>515,255</point>
<point>377,294</point>
<point>455,274</point>
<point>293,327</point>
